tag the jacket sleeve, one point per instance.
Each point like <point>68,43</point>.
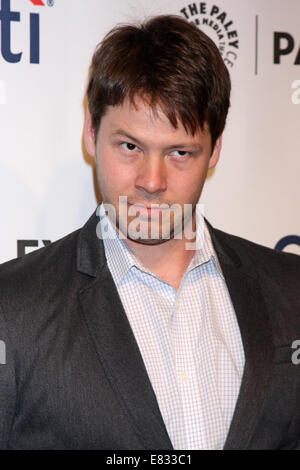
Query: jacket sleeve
<point>7,384</point>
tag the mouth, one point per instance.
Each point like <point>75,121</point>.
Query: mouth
<point>144,209</point>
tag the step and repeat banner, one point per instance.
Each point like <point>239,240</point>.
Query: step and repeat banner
<point>47,180</point>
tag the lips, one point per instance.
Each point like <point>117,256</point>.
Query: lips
<point>145,206</point>
<point>149,210</point>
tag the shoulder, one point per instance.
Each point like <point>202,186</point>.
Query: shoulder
<point>37,297</point>
<point>268,262</point>
<point>250,249</point>
<point>37,271</point>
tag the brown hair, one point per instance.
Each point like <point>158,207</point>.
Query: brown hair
<point>172,63</point>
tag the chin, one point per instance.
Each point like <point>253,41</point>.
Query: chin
<point>149,241</point>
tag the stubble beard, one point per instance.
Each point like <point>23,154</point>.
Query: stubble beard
<point>174,228</point>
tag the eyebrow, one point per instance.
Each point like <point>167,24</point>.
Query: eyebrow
<point>120,132</point>
<point>126,135</point>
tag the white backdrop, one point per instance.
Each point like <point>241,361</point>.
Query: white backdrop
<point>47,188</point>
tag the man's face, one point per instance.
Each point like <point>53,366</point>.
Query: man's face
<point>139,154</point>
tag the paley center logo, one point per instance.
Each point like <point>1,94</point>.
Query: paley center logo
<point>9,16</point>
<point>285,44</point>
<point>218,25</point>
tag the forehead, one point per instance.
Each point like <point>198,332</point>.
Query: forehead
<point>139,117</point>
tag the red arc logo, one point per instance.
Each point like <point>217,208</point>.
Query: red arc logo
<point>38,2</point>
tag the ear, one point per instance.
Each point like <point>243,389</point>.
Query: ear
<point>89,135</point>
<point>216,153</point>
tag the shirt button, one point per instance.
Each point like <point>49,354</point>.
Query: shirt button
<point>177,304</point>
<point>183,377</point>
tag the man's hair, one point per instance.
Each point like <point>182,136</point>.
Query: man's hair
<point>168,61</point>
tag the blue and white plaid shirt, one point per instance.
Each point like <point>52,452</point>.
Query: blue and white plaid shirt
<point>189,340</point>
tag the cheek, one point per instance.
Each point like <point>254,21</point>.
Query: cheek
<point>200,174</point>
<point>111,174</point>
<point>188,186</point>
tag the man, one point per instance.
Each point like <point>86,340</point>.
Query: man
<point>148,328</point>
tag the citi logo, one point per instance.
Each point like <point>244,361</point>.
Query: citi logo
<point>7,17</point>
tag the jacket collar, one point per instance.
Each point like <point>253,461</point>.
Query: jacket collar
<point>90,250</point>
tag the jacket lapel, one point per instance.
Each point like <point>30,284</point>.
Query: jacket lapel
<point>115,343</point>
<point>256,333</point>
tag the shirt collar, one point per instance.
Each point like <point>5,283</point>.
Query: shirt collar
<point>120,258</point>
<point>204,250</point>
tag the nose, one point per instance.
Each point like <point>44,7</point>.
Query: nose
<point>152,175</point>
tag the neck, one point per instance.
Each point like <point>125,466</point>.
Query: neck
<point>169,260</point>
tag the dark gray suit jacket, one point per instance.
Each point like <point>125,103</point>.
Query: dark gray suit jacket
<point>74,377</point>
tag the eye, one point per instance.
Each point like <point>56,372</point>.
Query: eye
<point>129,146</point>
<point>180,154</point>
